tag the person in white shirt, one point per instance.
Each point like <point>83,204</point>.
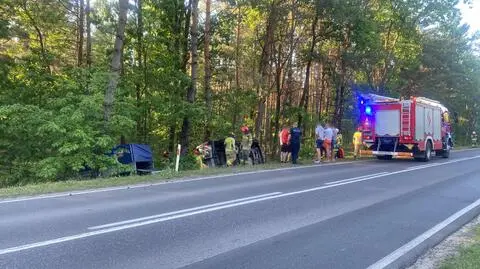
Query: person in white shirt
<point>319,142</point>
<point>328,137</point>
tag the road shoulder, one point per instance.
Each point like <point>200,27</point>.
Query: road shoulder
<point>449,252</point>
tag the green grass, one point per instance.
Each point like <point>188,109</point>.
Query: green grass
<point>166,175</point>
<point>468,258</point>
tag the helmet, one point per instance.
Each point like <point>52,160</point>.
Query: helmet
<point>244,129</point>
<point>474,132</point>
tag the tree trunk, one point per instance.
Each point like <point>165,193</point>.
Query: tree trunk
<point>172,130</point>
<point>306,86</point>
<point>192,90</point>
<point>278,98</point>
<point>269,39</point>
<point>89,35</point>
<point>317,92</point>
<point>322,90</point>
<point>186,31</point>
<point>41,38</point>
<point>80,31</point>
<point>260,116</point>
<point>237,49</point>
<point>141,120</point>
<point>341,90</point>
<point>116,63</point>
<point>208,71</point>
<point>267,131</point>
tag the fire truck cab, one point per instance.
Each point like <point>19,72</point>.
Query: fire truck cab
<point>417,127</point>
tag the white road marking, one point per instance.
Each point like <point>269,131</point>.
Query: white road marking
<point>152,221</point>
<point>173,181</point>
<point>353,178</point>
<point>392,257</point>
<point>210,209</point>
<point>181,211</point>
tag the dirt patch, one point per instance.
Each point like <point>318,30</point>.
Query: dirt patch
<point>448,248</point>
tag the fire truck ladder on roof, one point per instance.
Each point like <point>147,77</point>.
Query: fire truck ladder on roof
<point>406,117</point>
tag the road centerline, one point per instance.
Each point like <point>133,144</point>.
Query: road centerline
<point>181,211</point>
<point>354,178</point>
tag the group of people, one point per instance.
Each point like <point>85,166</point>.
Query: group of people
<point>290,143</point>
<point>327,139</point>
<point>245,146</point>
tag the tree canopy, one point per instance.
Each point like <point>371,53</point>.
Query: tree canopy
<point>77,76</point>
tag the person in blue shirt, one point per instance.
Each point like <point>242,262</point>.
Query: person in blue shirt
<point>295,137</point>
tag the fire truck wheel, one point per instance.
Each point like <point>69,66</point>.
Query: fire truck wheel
<point>446,152</point>
<point>428,152</point>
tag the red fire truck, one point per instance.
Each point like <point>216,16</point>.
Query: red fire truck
<point>416,127</point>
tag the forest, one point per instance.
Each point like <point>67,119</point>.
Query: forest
<point>78,77</point>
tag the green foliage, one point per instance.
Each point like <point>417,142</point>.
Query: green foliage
<point>55,142</point>
<point>51,100</point>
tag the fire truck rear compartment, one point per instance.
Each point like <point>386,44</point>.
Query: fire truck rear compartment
<point>390,146</point>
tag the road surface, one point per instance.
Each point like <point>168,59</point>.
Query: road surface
<point>344,215</point>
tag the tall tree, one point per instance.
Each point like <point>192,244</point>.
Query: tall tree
<point>89,34</point>
<point>264,67</point>
<point>116,62</point>
<point>208,70</point>
<point>306,85</point>
<point>192,90</point>
<point>80,31</point>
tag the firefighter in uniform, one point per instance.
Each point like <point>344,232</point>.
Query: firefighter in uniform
<point>357,142</point>
<point>246,145</point>
<point>230,150</point>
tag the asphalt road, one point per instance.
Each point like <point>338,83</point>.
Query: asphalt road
<point>347,215</point>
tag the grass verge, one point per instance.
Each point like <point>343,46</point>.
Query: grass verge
<point>468,256</point>
<point>161,176</point>
<point>165,175</point>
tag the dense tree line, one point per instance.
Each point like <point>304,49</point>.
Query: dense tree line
<point>76,76</point>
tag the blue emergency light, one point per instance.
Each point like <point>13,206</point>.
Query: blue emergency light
<point>368,110</point>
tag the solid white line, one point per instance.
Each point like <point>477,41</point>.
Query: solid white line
<point>192,213</point>
<point>353,178</point>
<point>392,257</point>
<point>419,166</point>
<point>173,181</point>
<point>181,211</point>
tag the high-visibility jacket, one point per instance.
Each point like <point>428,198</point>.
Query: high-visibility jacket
<point>357,138</point>
<point>229,144</point>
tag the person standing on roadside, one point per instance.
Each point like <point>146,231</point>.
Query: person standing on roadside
<point>319,135</point>
<point>284,144</point>
<point>357,142</point>
<point>246,145</point>
<point>294,138</point>
<point>334,143</point>
<point>327,143</point>
<point>230,150</point>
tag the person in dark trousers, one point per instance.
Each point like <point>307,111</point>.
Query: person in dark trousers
<point>295,136</point>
